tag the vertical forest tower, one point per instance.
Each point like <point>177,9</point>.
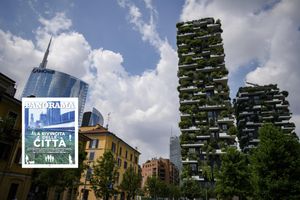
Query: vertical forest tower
<point>206,122</point>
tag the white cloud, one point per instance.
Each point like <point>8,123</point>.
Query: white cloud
<point>265,31</point>
<point>143,107</point>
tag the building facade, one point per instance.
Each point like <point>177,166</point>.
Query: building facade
<point>92,118</point>
<point>175,152</point>
<point>45,82</point>
<point>206,123</point>
<point>255,105</point>
<point>102,140</point>
<point>161,168</point>
<point>14,180</point>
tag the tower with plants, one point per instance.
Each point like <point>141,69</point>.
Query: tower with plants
<point>206,115</point>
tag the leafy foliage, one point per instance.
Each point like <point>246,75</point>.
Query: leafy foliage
<point>234,176</point>
<point>105,173</point>
<point>276,165</point>
<point>131,182</point>
<point>191,189</point>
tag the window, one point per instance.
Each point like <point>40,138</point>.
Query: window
<point>224,127</point>
<point>94,143</point>
<point>120,151</point>
<point>12,194</point>
<point>126,154</point>
<point>4,151</point>
<point>130,157</point>
<point>125,165</point>
<point>92,155</point>
<point>119,162</point>
<point>89,173</point>
<point>18,158</point>
<point>113,147</point>
<point>136,159</point>
<point>13,117</point>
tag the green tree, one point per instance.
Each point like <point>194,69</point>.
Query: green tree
<point>233,178</point>
<point>191,189</point>
<point>276,165</point>
<point>131,182</point>
<point>174,192</point>
<point>152,186</point>
<point>104,176</point>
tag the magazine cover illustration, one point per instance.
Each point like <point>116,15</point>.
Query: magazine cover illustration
<point>50,132</point>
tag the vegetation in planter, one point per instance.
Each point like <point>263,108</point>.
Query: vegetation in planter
<point>186,123</point>
<point>183,108</point>
<point>232,130</point>
<point>202,102</point>
<point>179,24</point>
<point>188,60</point>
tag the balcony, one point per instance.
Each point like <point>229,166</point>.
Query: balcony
<point>248,130</point>
<point>188,65</point>
<point>213,128</point>
<point>198,178</point>
<point>192,128</point>
<point>242,98</point>
<point>185,34</point>
<point>267,117</point>
<point>226,120</point>
<point>203,137</point>
<point>284,122</point>
<point>254,141</point>
<point>226,136</point>
<point>206,69</point>
<point>277,101</point>
<point>210,107</point>
<point>192,145</point>
<point>282,106</point>
<point>216,55</point>
<point>189,101</point>
<point>215,45</point>
<point>245,113</point>
<point>213,25</point>
<point>285,117</point>
<point>221,80</point>
<point>187,161</point>
<point>253,124</point>
<point>209,87</point>
<point>188,54</point>
<point>257,107</point>
<point>190,88</point>
<point>184,115</point>
<point>199,93</point>
<point>183,77</point>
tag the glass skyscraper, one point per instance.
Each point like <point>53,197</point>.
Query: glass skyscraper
<point>44,82</point>
<point>92,118</point>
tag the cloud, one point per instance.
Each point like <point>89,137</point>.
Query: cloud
<point>146,29</point>
<point>143,107</point>
<point>264,31</point>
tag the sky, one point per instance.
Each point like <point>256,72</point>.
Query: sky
<point>126,51</point>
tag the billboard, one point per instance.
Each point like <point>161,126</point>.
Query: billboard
<point>49,132</point>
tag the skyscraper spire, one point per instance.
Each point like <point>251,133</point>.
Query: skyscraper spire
<point>44,62</point>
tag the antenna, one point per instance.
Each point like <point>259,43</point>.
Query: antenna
<point>44,61</point>
<point>108,118</point>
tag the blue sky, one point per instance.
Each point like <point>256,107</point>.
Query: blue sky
<point>126,51</point>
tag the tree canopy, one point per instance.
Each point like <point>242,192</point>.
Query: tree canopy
<point>234,176</point>
<point>104,176</point>
<point>276,165</point>
<point>131,182</point>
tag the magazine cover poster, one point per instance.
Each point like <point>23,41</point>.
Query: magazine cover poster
<point>49,132</point>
